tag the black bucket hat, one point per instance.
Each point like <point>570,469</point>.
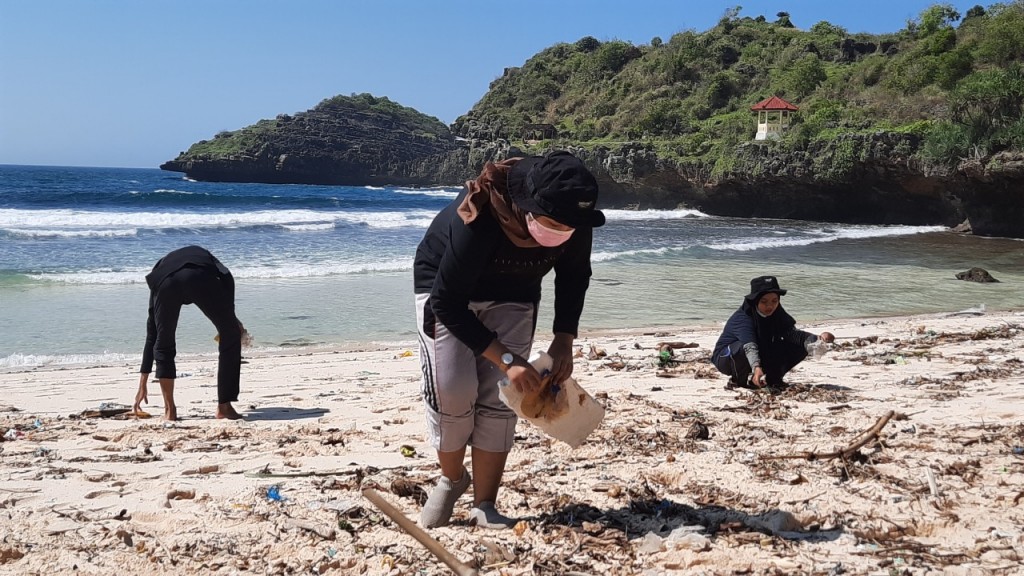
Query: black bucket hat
<point>556,185</point>
<point>763,285</point>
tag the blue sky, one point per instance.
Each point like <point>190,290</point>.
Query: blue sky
<point>132,83</point>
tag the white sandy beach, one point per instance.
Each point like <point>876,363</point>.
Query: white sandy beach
<point>939,491</point>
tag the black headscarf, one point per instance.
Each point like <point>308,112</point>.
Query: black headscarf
<point>769,329</point>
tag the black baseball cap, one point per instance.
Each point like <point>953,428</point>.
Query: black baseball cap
<point>556,185</point>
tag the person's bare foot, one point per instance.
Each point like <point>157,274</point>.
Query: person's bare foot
<point>226,411</point>
<point>171,414</point>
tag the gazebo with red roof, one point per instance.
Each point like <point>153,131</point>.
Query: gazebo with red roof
<point>773,116</point>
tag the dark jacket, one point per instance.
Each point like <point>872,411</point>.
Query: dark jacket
<point>758,334</point>
<point>187,257</point>
<point>458,263</point>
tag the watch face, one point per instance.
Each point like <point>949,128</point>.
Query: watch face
<point>507,358</point>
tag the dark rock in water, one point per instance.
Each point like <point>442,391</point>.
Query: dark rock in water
<point>976,275</point>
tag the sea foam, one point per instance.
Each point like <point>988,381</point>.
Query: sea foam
<point>96,223</point>
<point>824,236</point>
<point>290,269</point>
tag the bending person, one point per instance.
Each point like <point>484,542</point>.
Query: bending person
<point>478,273</point>
<point>760,343</point>
<point>191,275</point>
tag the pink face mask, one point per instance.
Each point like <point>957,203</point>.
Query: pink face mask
<point>544,236</point>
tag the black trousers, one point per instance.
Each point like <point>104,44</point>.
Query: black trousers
<point>207,290</point>
<point>776,361</point>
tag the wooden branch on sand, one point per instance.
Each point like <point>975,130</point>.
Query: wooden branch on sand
<point>858,442</point>
<point>676,345</point>
<point>419,534</point>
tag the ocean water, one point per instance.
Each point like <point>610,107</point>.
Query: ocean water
<point>332,265</point>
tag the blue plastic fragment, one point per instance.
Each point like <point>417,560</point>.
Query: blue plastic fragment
<point>274,493</point>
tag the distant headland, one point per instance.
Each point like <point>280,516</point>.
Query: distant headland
<point>924,125</point>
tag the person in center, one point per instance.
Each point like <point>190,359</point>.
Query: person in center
<point>760,343</point>
<point>478,273</point>
<point>191,275</point>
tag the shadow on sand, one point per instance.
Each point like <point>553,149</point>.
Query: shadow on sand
<point>662,516</point>
<point>282,413</point>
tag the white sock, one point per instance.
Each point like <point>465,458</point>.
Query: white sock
<point>437,511</point>
<point>485,516</point>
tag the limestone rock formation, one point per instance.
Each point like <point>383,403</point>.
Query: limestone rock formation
<point>358,140</point>
<point>855,178</point>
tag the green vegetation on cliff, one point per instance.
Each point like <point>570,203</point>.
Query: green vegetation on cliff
<point>348,140</point>
<point>254,140</point>
<point>954,83</point>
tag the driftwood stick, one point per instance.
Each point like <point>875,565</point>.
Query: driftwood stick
<point>674,345</point>
<point>210,469</point>
<point>868,435</point>
<point>805,500</point>
<point>858,443</point>
<point>419,534</point>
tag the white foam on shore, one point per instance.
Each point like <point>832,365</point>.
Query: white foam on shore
<point>432,192</point>
<point>605,256</point>
<point>856,232</point>
<point>288,270</point>
<point>325,269</point>
<point>309,227</point>
<point>82,222</point>
<point>612,214</point>
<point>133,276</point>
<point>44,233</point>
<point>38,360</point>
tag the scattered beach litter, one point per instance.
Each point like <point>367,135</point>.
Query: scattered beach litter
<point>876,465</point>
<point>105,410</point>
<point>274,493</point>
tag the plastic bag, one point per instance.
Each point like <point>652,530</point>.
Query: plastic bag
<point>817,349</point>
<point>564,410</point>
<point>246,338</point>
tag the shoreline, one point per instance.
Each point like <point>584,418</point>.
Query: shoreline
<point>677,453</point>
<point>120,358</point>
<point>666,283</point>
<point>117,359</point>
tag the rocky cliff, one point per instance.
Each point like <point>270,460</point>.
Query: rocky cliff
<point>855,178</point>
<point>992,193</point>
<point>867,179</point>
<point>356,141</point>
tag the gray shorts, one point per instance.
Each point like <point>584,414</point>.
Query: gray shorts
<point>460,390</point>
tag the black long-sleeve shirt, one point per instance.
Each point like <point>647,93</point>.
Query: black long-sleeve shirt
<point>457,263</point>
<point>187,257</point>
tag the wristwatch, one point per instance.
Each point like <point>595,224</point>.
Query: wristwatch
<point>506,361</point>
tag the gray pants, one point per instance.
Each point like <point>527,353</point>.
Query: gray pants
<point>460,390</point>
